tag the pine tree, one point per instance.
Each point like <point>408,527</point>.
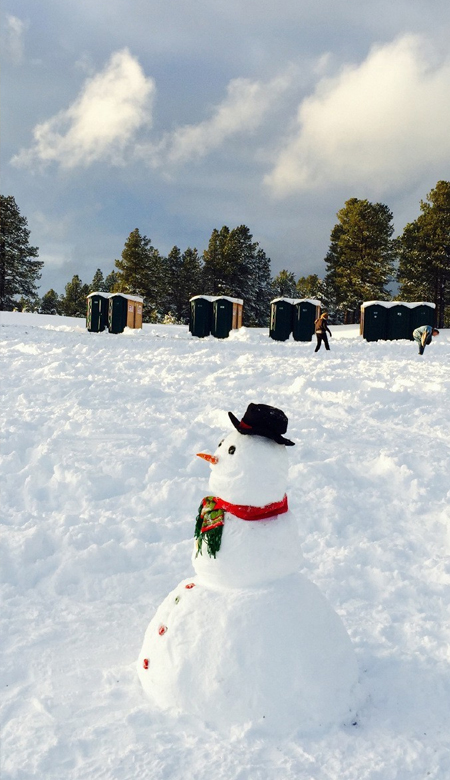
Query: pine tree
<point>191,275</point>
<point>284,285</point>
<point>73,303</point>
<point>360,259</point>
<point>309,287</point>
<point>111,282</point>
<point>183,279</point>
<point>235,265</point>
<point>424,254</point>
<point>98,282</point>
<point>140,272</point>
<point>261,280</point>
<point>19,272</point>
<point>50,303</point>
<point>173,293</point>
<point>216,270</point>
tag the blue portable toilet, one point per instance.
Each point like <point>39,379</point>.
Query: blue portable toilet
<point>200,315</point>
<point>227,315</point>
<point>374,320</point>
<point>281,318</point>
<point>399,319</point>
<point>97,311</point>
<point>306,312</point>
<point>422,313</point>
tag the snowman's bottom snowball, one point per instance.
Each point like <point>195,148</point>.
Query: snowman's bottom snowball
<point>278,655</point>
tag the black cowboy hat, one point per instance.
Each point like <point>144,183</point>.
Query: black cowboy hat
<point>263,420</point>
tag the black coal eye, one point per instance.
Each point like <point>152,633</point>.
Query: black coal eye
<point>220,443</point>
<point>232,449</point>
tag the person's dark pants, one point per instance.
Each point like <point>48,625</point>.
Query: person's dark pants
<point>321,337</point>
<point>420,345</point>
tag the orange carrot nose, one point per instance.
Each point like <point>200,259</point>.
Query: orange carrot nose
<point>209,458</point>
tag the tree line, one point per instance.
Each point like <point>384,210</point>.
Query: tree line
<point>362,261</point>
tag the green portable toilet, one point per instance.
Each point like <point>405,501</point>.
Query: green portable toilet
<point>398,322</point>
<point>97,312</point>
<point>117,313</point>
<point>281,318</point>
<point>200,315</point>
<point>227,313</point>
<point>374,320</point>
<point>422,314</point>
<point>306,311</point>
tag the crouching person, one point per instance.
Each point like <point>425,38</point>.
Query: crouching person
<point>423,336</point>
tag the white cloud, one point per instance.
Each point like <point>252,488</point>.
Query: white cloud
<point>384,123</point>
<point>14,38</point>
<point>104,118</point>
<point>242,111</point>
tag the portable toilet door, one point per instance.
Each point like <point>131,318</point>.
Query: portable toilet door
<point>236,322</point>
<point>97,312</point>
<point>131,312</point>
<point>93,316</point>
<point>222,321</point>
<point>305,314</point>
<point>374,322</point>
<point>118,312</point>
<point>138,314</point>
<point>200,315</point>
<point>422,314</point>
<point>399,319</point>
<point>281,319</point>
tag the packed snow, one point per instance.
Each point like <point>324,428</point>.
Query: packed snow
<point>250,639</point>
<point>100,490</point>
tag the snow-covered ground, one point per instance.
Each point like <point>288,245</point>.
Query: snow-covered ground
<point>100,489</point>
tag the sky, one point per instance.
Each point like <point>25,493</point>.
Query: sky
<point>178,118</point>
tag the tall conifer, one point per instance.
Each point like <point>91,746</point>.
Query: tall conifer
<point>19,271</point>
<point>360,259</point>
<point>424,252</point>
<point>140,272</point>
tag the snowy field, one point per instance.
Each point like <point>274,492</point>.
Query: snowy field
<point>100,489</point>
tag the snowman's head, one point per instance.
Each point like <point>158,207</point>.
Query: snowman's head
<point>250,470</point>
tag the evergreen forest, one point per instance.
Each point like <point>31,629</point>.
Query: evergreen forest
<point>364,262</point>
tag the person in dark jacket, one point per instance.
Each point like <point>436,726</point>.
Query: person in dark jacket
<point>321,329</point>
<point>423,336</point>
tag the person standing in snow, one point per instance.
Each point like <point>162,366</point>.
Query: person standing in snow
<point>423,336</point>
<point>321,329</point>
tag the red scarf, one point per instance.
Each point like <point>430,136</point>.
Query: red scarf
<point>253,512</point>
<point>210,519</point>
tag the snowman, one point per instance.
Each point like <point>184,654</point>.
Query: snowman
<point>249,641</point>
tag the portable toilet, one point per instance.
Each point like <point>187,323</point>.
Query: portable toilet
<point>306,311</point>
<point>374,320</point>
<point>200,315</point>
<point>125,311</point>
<point>422,313</point>
<point>117,314</point>
<point>226,315</point>
<point>398,321</point>
<point>238,309</point>
<point>281,318</point>
<point>134,311</point>
<point>97,311</point>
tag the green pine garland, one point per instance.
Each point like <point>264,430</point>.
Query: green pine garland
<point>209,515</point>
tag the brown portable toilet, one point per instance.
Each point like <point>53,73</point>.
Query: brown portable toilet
<point>134,311</point>
<point>236,321</point>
